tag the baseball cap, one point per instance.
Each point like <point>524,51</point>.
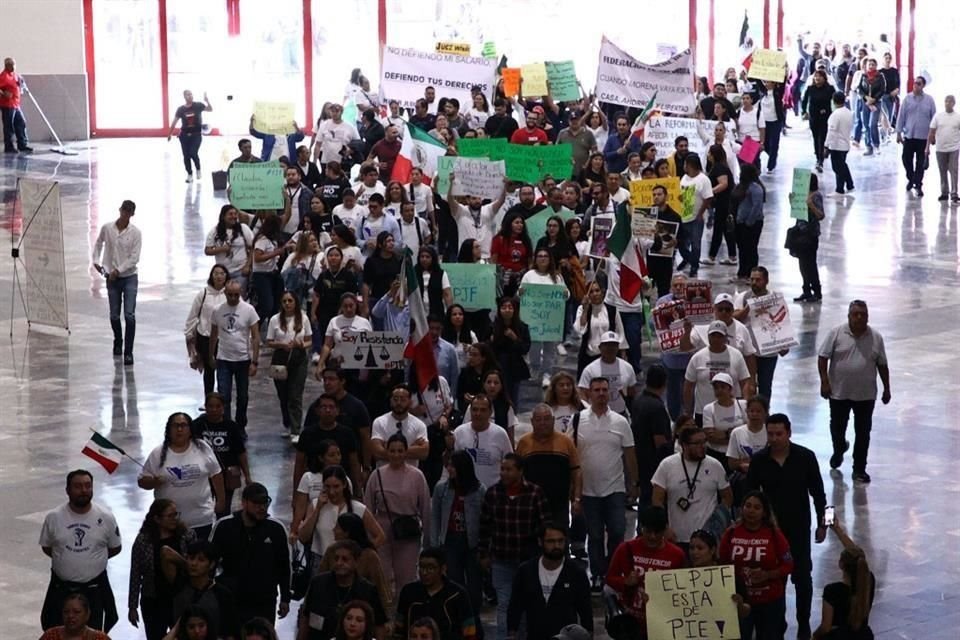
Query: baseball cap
<point>537,109</point>
<point>717,326</point>
<point>722,377</point>
<point>611,336</point>
<point>723,297</point>
<point>255,492</point>
<point>572,632</point>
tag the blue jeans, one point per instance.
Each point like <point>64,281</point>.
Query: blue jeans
<point>856,105</point>
<point>14,125</point>
<point>692,236</point>
<point>675,378</point>
<point>765,369</point>
<point>123,291</point>
<point>633,327</point>
<point>544,364</point>
<point>227,371</point>
<point>266,285</point>
<point>605,513</point>
<point>871,122</point>
<point>771,143</point>
<point>502,573</point>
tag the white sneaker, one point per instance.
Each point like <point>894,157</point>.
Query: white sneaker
<point>295,439</point>
<point>707,261</point>
<point>729,261</point>
<point>315,358</point>
<point>562,350</point>
<point>189,178</point>
<point>545,380</point>
<point>198,174</point>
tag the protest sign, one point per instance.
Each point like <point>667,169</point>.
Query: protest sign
<point>698,301</point>
<point>408,72</point>
<point>770,324</point>
<point>542,308</point>
<point>601,226</point>
<point>276,118</point>
<point>799,191</point>
<point>537,224</point>
<point>643,224</point>
<point>749,150</point>
<point>44,289</point>
<point>623,80</point>
<point>444,168</point>
<point>256,186</point>
<point>370,350</point>
<point>474,285</point>
<point>668,323</point>
<point>692,603</point>
<point>563,81</point>
<point>511,81</point>
<point>490,148</point>
<point>665,239</point>
<point>768,64</point>
<point>534,77</point>
<point>662,131</point>
<point>489,50</point>
<point>529,163</point>
<point>641,192</point>
<point>665,51</point>
<point>456,48</point>
<point>689,196</point>
<point>478,177</point>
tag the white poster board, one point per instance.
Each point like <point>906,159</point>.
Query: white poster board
<point>408,72</point>
<point>44,281</point>
<point>370,350</point>
<point>624,80</point>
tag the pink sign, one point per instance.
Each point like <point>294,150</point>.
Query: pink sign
<point>749,150</point>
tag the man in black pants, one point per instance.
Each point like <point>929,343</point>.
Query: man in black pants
<point>913,129</point>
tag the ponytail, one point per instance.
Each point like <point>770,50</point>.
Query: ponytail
<point>854,563</point>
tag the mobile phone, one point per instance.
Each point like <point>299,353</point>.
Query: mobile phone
<point>829,516</point>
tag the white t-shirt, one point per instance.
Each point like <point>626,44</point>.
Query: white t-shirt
<point>548,578</point>
<point>186,481</point>
<point>702,189</point>
<point>486,447</point>
<point>599,323</point>
<point>266,245</point>
<point>475,225</point>
<point>947,126</point>
<point>80,541</point>
<point>412,428</point>
<point>738,337</point>
<point>233,323</point>
<point>768,108</point>
<point>563,418</point>
<point>444,284</point>
<point>749,123</point>
<point>620,374</point>
<point>414,233</point>
<point>512,421</point>
<point>716,416</point>
<point>332,137</point>
<point>327,520</point>
<point>349,253</point>
<point>276,332</point>
<point>434,401</point>
<point>364,192</point>
<point>670,476</point>
<point>477,118</point>
<point>352,216</point>
<point>392,209</point>
<point>238,244</point>
<point>461,349</point>
<point>600,442</point>
<point>705,364</point>
<point>600,134</point>
<point>744,443</point>
<point>312,262</point>
<point>422,198</point>
<point>295,214</point>
<point>311,484</point>
<point>340,323</point>
<point>621,195</point>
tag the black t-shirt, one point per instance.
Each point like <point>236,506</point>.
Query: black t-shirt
<point>219,603</point>
<point>325,600</point>
<point>311,437</point>
<point>379,273</point>
<point>353,415</point>
<point>721,201</point>
<point>331,190</point>
<point>191,118</point>
<point>329,287</point>
<point>225,438</point>
<point>838,595</point>
<point>426,123</point>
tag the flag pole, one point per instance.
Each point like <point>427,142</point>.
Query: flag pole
<point>122,452</point>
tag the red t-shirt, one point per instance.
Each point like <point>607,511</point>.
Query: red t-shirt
<point>525,136</point>
<point>511,254</point>
<point>636,555</point>
<point>764,548</point>
<point>10,82</point>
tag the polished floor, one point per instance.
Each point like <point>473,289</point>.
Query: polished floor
<point>898,253</point>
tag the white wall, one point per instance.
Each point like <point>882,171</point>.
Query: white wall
<point>45,36</point>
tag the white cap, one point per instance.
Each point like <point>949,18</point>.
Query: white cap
<point>723,297</point>
<point>722,377</point>
<point>610,336</point>
<point>717,326</point>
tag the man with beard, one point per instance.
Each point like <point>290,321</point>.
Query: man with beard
<point>527,207</point>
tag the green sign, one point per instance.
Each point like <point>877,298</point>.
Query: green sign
<point>562,79</point>
<point>688,195</point>
<point>489,50</point>
<point>474,285</point>
<point>798,194</point>
<point>537,224</point>
<point>256,186</point>
<point>542,308</point>
<point>444,167</point>
<point>526,163</point>
<point>492,148</point>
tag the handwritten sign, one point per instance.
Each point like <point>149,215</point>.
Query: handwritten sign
<point>526,163</point>
<point>537,224</point>
<point>511,81</point>
<point>770,324</point>
<point>692,603</point>
<point>256,186</point>
<point>542,308</point>
<point>668,323</point>
<point>478,177</point>
<point>489,50</point>
<point>474,285</point>
<point>444,169</point>
<point>456,48</point>
<point>534,79</point>
<point>799,191</point>
<point>768,64</point>
<point>641,192</point>
<point>490,148</point>
<point>370,350</point>
<point>562,77</point>
<point>274,117</point>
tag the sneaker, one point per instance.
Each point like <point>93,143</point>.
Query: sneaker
<point>295,438</point>
<point>729,261</point>
<point>25,149</point>
<point>943,197</point>
<point>189,178</point>
<point>837,458</point>
<point>802,297</point>
<point>869,151</point>
<point>562,350</point>
<point>314,359</point>
<point>545,380</point>
<point>707,261</point>
<point>819,167</point>
<point>919,191</point>
<point>862,477</point>
<point>118,347</point>
<point>128,359</point>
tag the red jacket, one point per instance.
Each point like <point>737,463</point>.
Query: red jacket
<point>10,82</point>
<point>636,555</point>
<point>764,548</point>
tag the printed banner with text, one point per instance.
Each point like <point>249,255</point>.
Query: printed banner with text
<point>624,80</point>
<point>408,72</point>
<point>370,350</point>
<point>770,324</point>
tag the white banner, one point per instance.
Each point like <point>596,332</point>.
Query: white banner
<point>370,350</point>
<point>407,72</point>
<point>663,130</point>
<point>478,177</point>
<point>624,80</point>
<point>770,324</point>
<point>41,250</point>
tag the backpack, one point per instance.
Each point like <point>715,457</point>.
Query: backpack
<point>299,280</point>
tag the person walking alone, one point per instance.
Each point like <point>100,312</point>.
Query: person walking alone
<point>913,128</point>
<point>119,246</point>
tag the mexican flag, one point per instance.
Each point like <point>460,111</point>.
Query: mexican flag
<point>104,452</point>
<point>645,115</point>
<point>625,250</point>
<point>420,347</point>
<point>418,149</point>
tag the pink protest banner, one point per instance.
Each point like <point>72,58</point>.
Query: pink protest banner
<point>749,150</point>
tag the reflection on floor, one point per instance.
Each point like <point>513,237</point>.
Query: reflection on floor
<point>879,244</point>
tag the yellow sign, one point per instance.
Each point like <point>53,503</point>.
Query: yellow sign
<point>534,80</point>
<point>692,603</point>
<point>641,193</point>
<point>456,48</point>
<point>276,118</point>
<point>768,64</point>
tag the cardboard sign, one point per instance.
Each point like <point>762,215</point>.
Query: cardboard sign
<point>276,118</point>
<point>490,148</point>
<point>537,224</point>
<point>641,192</point>
<point>799,191</point>
<point>530,163</point>
<point>511,81</point>
<point>256,186</point>
<point>456,48</point>
<point>444,169</point>
<point>489,50</point>
<point>749,150</point>
<point>478,177</point>
<point>768,64</point>
<point>695,603</point>
<point>542,308</point>
<point>534,79</point>
<point>370,350</point>
<point>474,285</point>
<point>562,77</point>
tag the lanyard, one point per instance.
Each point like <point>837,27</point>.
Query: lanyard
<point>691,484</point>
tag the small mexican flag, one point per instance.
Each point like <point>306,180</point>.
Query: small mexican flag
<point>417,149</point>
<point>625,250</point>
<point>645,115</point>
<point>103,451</point>
<point>420,347</point>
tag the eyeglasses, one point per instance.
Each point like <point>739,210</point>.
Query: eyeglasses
<point>266,502</point>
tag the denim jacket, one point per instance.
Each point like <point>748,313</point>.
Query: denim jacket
<point>443,497</point>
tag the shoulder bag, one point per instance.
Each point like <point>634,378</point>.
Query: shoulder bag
<point>402,527</point>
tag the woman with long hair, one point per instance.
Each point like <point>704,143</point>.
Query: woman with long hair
<point>564,400</point>
<point>574,230</point>
<point>264,277</point>
<point>847,603</point>
<point>161,528</point>
<point>501,406</point>
<point>230,242</point>
<point>593,319</point>
<point>480,359</point>
<point>197,327</point>
<point>724,221</point>
<point>381,270</point>
<point>457,332</point>
<point>421,196</point>
<point>596,122</point>
<point>594,172</point>
<point>356,622</point>
<point>808,243</point>
<point>749,196</point>
<point>345,239</point>
<point>321,518</point>
<point>817,106</point>
<point>228,441</point>
<point>662,168</point>
<point>570,266</point>
<point>434,406</point>
<point>511,342</point>
<point>394,199</point>
<point>311,482</point>
<point>543,353</point>
<point>198,504</point>
<point>288,334</point>
<point>346,320</point>
<point>433,281</point>
<point>302,269</point>
<point>335,280</point>
<point>760,554</point>
<point>194,624</point>
<point>703,553</point>
<point>350,527</point>
<point>455,523</point>
<point>512,252</point>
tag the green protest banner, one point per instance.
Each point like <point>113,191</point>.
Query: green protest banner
<point>489,50</point>
<point>492,148</point>
<point>799,191</point>
<point>444,167</point>
<point>562,79</point>
<point>537,224</point>
<point>256,186</point>
<point>526,163</point>
<point>542,308</point>
<point>474,285</point>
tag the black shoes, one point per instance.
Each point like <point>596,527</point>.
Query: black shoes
<point>919,191</point>
<point>943,197</point>
<point>118,347</point>
<point>837,458</point>
<point>25,149</point>
<point>862,477</point>
<point>128,359</point>
<point>808,297</point>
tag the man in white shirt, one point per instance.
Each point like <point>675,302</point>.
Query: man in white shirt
<point>945,136</point>
<point>617,193</point>
<point>715,358</point>
<point>80,536</point>
<point>608,464</point>
<point>618,372</point>
<point>691,231</point>
<point>414,230</point>
<point>120,242</point>
<point>334,136</point>
<point>839,127</point>
<point>350,212</point>
<point>695,338</point>
<point>475,220</point>
<point>235,338</point>
<point>368,185</point>
<point>486,442</point>
<point>686,484</point>
<point>399,420</point>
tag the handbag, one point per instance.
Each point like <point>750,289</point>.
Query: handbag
<point>402,527</point>
<point>231,478</point>
<point>279,371</point>
<point>299,573</point>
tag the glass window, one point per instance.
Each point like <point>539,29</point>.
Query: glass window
<point>344,38</point>
<point>937,48</point>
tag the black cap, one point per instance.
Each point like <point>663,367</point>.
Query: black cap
<point>255,492</point>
